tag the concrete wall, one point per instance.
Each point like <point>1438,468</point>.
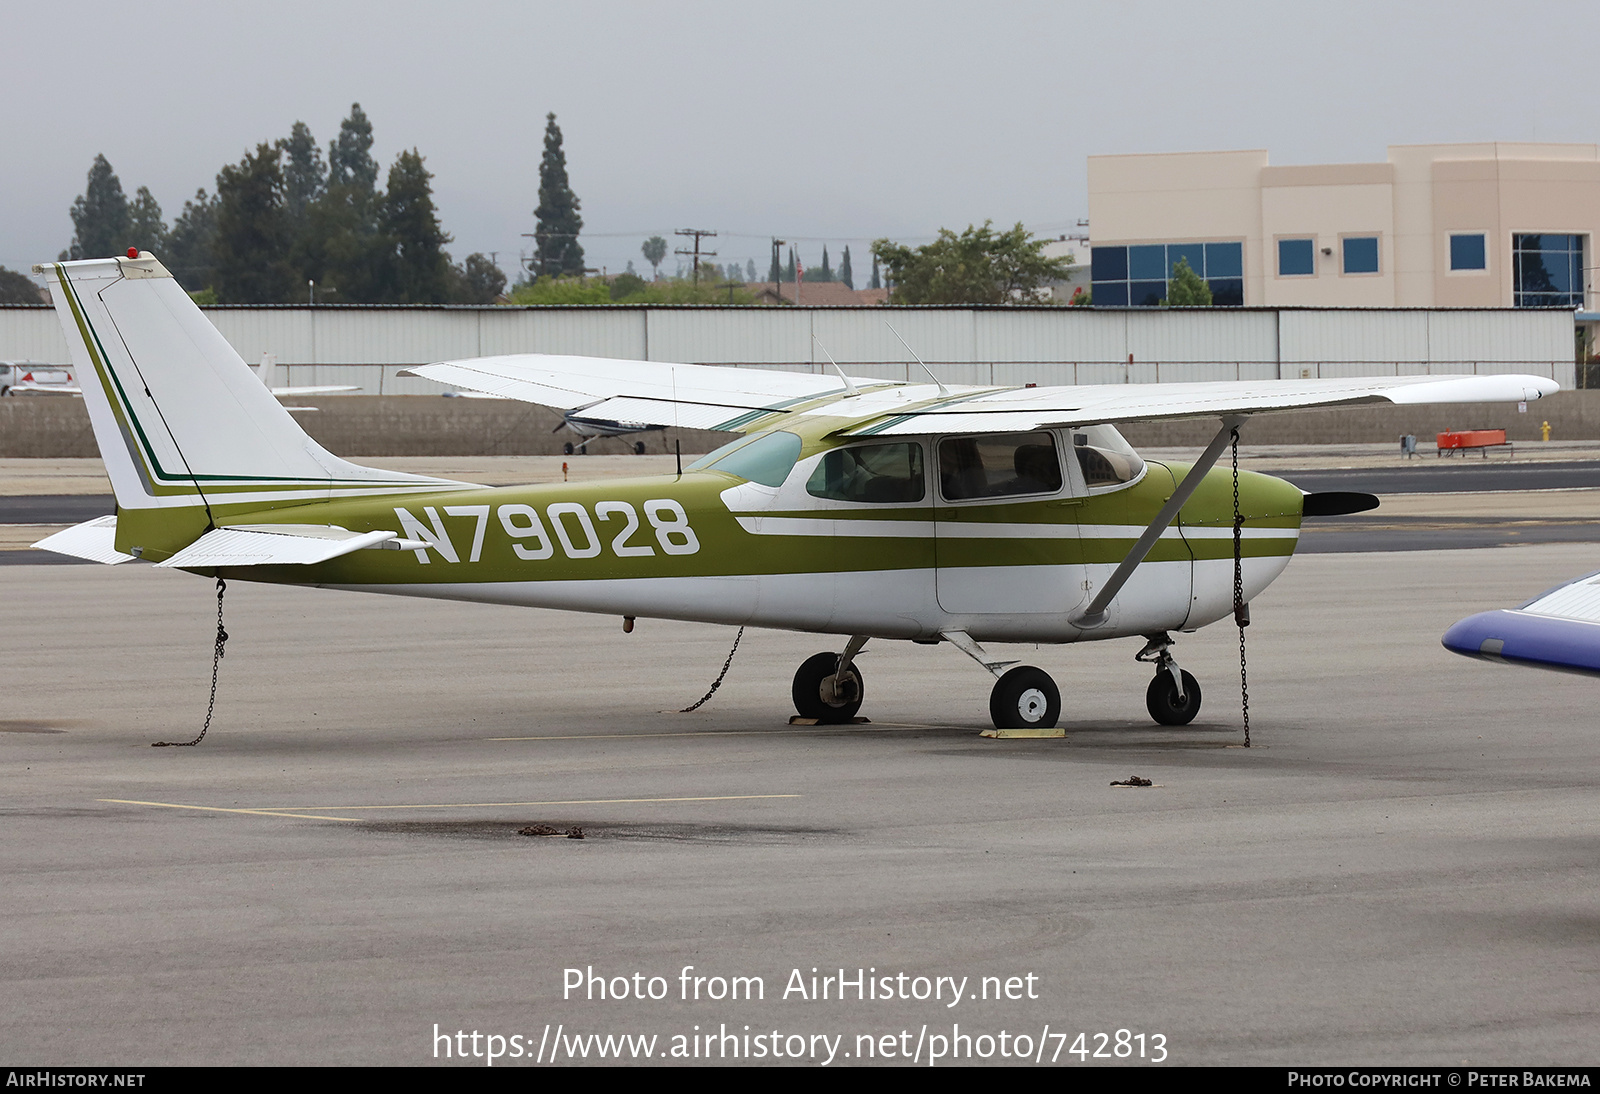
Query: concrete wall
<point>405,425</point>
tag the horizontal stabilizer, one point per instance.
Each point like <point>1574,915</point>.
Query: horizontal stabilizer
<point>94,540</point>
<point>274,545</point>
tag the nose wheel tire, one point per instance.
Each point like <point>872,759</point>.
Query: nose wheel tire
<point>1161,698</point>
<point>1025,698</point>
<point>821,693</point>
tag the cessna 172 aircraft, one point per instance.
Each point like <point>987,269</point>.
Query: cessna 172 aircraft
<point>851,507</point>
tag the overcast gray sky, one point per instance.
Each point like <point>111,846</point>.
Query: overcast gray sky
<point>835,122</point>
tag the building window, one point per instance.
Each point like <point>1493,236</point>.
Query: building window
<point>1297,258</point>
<point>1547,271</point>
<point>1467,252</point>
<point>1137,276</point>
<point>1360,254</point>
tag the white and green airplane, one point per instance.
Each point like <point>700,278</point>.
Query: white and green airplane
<point>850,507</point>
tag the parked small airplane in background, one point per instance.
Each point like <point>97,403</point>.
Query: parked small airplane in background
<point>268,373</point>
<point>852,507</point>
<point>1558,629</point>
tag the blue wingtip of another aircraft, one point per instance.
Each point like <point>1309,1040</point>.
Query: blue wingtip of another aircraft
<point>1565,645</point>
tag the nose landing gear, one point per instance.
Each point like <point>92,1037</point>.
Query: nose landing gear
<point>1173,697</point>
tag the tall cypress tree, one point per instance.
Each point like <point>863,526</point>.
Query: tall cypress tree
<point>558,223</point>
<point>350,161</point>
<point>304,174</point>
<point>419,269</point>
<point>845,275</point>
<point>344,250</point>
<point>100,217</point>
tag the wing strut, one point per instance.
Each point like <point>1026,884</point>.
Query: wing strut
<point>1095,613</point>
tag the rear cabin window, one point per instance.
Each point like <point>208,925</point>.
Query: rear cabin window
<point>999,466</point>
<point>870,473</point>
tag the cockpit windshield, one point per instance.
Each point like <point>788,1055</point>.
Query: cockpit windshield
<point>766,459</point>
<point>1106,458</point>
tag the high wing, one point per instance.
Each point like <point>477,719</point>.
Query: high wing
<point>641,393</point>
<point>637,394</point>
<point>1559,629</point>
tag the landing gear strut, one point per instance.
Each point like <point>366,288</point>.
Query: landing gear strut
<point>828,687</point>
<point>1024,697</point>
<point>1173,697</point>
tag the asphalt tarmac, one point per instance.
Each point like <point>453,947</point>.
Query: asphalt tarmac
<point>1401,870</point>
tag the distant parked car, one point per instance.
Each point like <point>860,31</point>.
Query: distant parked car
<point>18,377</point>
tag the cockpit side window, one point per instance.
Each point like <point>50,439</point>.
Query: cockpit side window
<point>998,466</point>
<point>870,473</point>
<point>1105,458</point>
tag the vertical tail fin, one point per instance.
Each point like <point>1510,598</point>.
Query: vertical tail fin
<point>184,426</point>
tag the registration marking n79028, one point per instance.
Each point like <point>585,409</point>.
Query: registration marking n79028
<point>534,536</point>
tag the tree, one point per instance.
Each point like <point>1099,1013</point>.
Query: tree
<point>845,274</point>
<point>100,218</point>
<point>350,161</point>
<point>750,270</point>
<point>418,268</point>
<point>1187,289</point>
<point>979,266</point>
<point>146,230</point>
<point>876,282</point>
<point>252,239</point>
<point>340,244</point>
<point>558,223</point>
<point>654,250</point>
<point>189,245</point>
<point>304,174</point>
<point>16,288</point>
<point>476,281</point>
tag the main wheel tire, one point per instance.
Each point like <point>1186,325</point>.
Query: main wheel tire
<point>638,448</point>
<point>1161,698</point>
<point>1025,698</point>
<point>566,449</point>
<point>819,694</point>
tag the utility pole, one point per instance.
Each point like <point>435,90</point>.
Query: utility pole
<point>777,269</point>
<point>697,252</point>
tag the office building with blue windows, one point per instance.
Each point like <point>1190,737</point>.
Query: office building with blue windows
<point>1437,226</point>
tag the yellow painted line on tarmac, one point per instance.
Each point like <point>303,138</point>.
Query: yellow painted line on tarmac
<point>220,809</point>
<point>287,810</point>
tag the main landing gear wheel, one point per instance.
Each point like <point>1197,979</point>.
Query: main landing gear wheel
<point>566,449</point>
<point>1025,698</point>
<point>821,693</point>
<point>1161,697</point>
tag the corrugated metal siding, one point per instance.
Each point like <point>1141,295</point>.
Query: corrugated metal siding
<point>254,331</point>
<point>32,334</point>
<point>1224,334</point>
<point>983,346</point>
<point>1530,336</point>
<point>587,332</point>
<point>936,334</point>
<point>1380,337</point>
<point>1076,334</point>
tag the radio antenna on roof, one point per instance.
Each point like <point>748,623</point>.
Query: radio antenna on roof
<point>850,391</point>
<point>942,389</point>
